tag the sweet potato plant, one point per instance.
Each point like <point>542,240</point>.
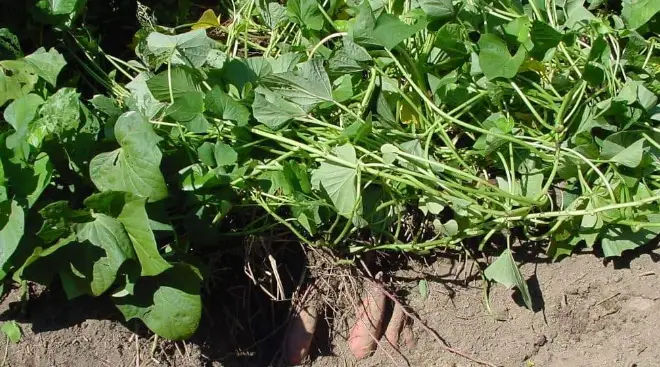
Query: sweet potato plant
<point>357,125</point>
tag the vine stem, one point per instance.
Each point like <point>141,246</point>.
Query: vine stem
<point>575,213</point>
<point>324,40</point>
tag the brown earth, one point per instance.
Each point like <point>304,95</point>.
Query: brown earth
<point>588,312</point>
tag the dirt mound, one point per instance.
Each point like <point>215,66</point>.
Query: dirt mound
<point>587,313</point>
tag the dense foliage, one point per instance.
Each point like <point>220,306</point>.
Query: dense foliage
<point>398,125</point>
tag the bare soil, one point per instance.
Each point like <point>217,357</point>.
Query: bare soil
<point>587,312</point>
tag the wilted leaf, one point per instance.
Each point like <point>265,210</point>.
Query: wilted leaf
<point>505,271</point>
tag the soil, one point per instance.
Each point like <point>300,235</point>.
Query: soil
<point>587,312</point>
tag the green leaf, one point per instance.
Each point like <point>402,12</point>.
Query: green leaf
<point>495,60</point>
<point>274,14</point>
<point>58,220</point>
<point>136,222</point>
<point>191,48</point>
<point>636,13</point>
<point>10,47</point>
<point>108,248</point>
<point>158,301</point>
<point>429,204</point>
<point>188,110</point>
<point>361,31</point>
<point>576,13</point>
<point>141,99</point>
<point>42,171</point>
<point>437,8</point>
<point>545,38</point>
<point>12,331</point>
<point>225,107</point>
<point>618,239</point>
<point>339,181</point>
<point>308,86</point>
<point>17,78</point>
<point>631,156</point>
<point>59,114</point>
<point>182,83</point>
<point>134,167</point>
<point>224,155</point>
<point>505,271</point>
<point>386,31</point>
<point>625,148</point>
<point>590,225</point>
<point>186,107</point>
<point>19,114</point>
<point>12,226</point>
<point>274,111</point>
<point>59,7</point>
<point>390,31</point>
<point>47,64</point>
<point>307,13</point>
<point>205,152</point>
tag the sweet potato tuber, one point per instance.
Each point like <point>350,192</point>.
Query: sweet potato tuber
<point>368,326</point>
<point>300,333</point>
<point>395,325</point>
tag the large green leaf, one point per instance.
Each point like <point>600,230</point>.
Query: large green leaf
<point>631,156</point>
<point>224,154</point>
<point>12,225</point>
<point>191,48</point>
<point>390,30</point>
<point>188,110</point>
<point>637,12</point>
<point>618,239</point>
<point>272,110</point>
<point>169,304</point>
<point>141,98</point>
<point>624,148</point>
<point>273,14</point>
<point>339,181</point>
<point>437,8</point>
<point>178,79</point>
<point>308,85</point>
<point>136,222</point>
<point>495,60</point>
<point>387,30</point>
<point>225,107</point>
<point>47,64</point>
<point>134,167</point>
<point>545,38</point>
<point>103,249</point>
<point>59,114</point>
<point>307,13</point>
<point>19,114</point>
<point>17,78</point>
<point>505,271</point>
